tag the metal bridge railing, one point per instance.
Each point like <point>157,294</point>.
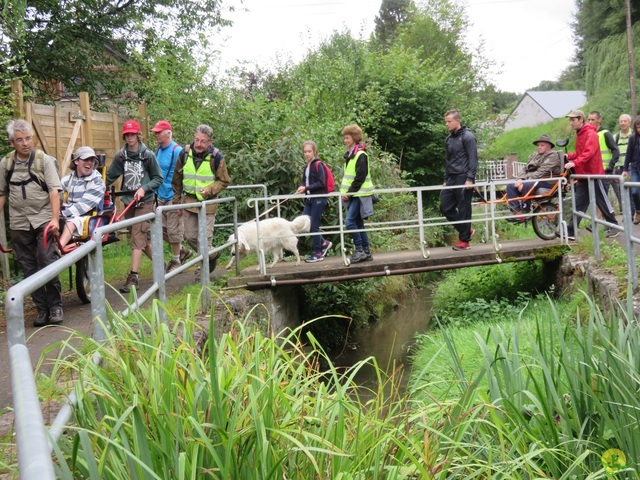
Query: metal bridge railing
<point>34,441</point>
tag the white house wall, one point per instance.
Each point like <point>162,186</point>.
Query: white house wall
<point>528,113</point>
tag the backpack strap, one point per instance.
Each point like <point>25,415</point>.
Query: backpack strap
<point>39,156</point>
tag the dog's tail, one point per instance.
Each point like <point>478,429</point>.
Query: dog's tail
<point>301,224</point>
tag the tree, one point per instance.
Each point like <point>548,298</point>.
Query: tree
<point>78,42</point>
<point>392,14</point>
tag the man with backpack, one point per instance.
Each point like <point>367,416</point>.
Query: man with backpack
<point>200,174</point>
<point>141,177</point>
<point>172,226</point>
<point>30,182</point>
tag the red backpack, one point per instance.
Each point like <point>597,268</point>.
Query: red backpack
<point>330,180</point>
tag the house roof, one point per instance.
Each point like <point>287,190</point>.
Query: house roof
<point>559,103</point>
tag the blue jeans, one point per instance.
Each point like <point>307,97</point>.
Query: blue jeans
<point>354,221</point>
<point>314,207</point>
<point>635,191</point>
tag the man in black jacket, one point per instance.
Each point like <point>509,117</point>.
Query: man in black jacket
<point>460,169</point>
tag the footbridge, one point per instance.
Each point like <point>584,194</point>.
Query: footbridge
<point>333,268</point>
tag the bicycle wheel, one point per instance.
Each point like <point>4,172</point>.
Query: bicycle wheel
<point>83,286</point>
<point>546,221</point>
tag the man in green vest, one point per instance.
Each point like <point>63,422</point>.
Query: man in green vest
<point>608,147</point>
<point>200,174</point>
<point>622,139</point>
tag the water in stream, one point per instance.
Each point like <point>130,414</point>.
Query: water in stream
<point>390,339</point>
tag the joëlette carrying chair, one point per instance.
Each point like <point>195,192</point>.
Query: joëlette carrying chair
<point>544,212</point>
<point>104,214</point>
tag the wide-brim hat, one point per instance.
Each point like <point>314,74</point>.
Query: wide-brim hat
<point>544,138</point>
<point>82,153</point>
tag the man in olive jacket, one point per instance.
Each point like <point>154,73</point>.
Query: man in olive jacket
<point>545,162</point>
<point>200,174</point>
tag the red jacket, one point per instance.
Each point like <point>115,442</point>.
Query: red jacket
<point>587,156</point>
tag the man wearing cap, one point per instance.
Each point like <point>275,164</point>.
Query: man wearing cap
<point>200,174</point>
<point>34,205</point>
<point>587,160</point>
<point>545,162</point>
<point>83,190</point>
<point>172,226</point>
<point>142,176</point>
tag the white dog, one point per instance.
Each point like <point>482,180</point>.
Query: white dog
<point>276,234</point>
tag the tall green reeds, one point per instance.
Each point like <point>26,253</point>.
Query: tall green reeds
<point>165,403</point>
<point>562,403</point>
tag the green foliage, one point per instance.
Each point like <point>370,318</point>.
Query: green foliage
<point>607,76</point>
<point>521,140</point>
<point>566,387</point>
<point>491,290</point>
<point>71,41</point>
<point>392,14</point>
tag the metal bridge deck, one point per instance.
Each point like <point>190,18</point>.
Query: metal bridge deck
<point>332,269</point>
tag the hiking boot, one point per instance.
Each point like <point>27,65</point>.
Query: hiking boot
<point>461,245</point>
<point>173,264</point>
<point>636,218</point>
<point>56,315</point>
<point>314,257</point>
<point>611,233</point>
<point>367,252</point>
<point>213,260</point>
<point>185,254</point>
<point>42,319</point>
<point>132,280</point>
<point>326,245</point>
<point>358,256</point>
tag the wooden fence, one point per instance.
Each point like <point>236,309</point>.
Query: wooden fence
<point>62,128</point>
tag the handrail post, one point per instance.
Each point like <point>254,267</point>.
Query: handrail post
<point>203,248</point>
<point>157,260</point>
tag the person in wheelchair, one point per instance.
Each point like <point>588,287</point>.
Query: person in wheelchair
<point>83,191</point>
<point>545,162</point>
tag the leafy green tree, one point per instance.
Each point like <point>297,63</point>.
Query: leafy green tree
<point>392,14</point>
<point>78,42</point>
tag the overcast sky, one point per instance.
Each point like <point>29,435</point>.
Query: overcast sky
<point>530,40</point>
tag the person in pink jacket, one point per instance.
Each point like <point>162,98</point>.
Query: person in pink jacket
<point>587,160</point>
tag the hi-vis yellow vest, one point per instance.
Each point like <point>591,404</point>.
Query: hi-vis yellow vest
<point>194,180</point>
<point>350,174</point>
<point>604,150</point>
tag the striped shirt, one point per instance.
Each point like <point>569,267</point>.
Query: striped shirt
<point>83,194</point>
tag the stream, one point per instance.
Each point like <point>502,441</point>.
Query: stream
<point>390,339</point>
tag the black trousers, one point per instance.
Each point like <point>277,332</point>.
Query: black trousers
<point>455,205</point>
<point>29,252</point>
<point>602,202</point>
